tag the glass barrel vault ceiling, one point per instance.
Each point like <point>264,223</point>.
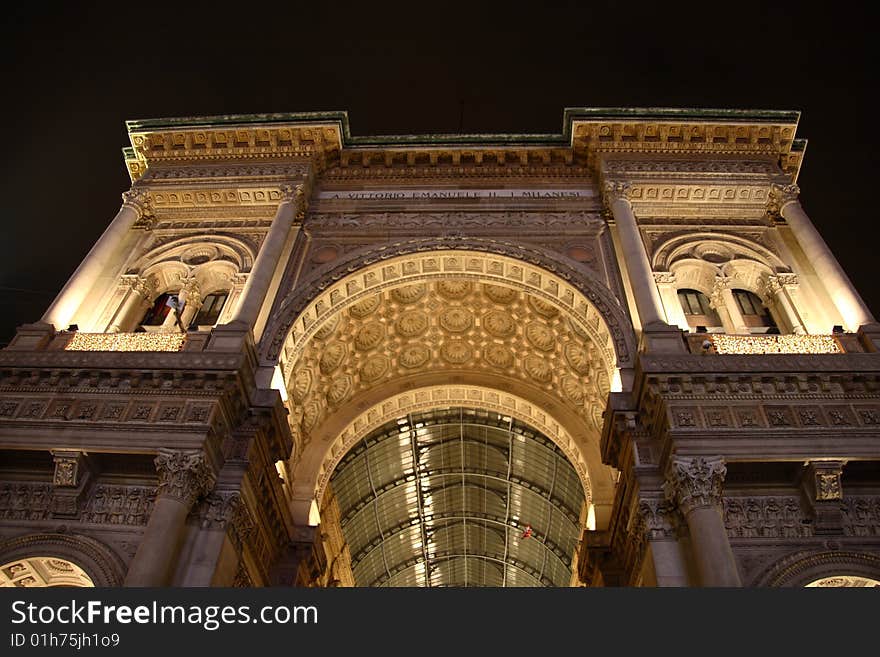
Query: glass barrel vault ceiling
<point>444,498</point>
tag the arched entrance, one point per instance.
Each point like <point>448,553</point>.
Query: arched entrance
<point>430,330</point>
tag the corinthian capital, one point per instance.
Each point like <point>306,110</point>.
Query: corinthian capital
<point>616,190</point>
<point>782,195</point>
<point>138,200</point>
<point>695,483</point>
<point>183,475</point>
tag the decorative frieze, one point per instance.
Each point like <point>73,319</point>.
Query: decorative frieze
<point>119,505</point>
<point>25,501</point>
<point>765,517</point>
<point>861,515</point>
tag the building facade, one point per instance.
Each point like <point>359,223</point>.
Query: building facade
<point>618,356</point>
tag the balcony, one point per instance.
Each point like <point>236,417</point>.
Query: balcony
<point>125,341</point>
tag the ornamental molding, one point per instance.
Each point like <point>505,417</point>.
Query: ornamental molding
<point>139,200</point>
<point>695,483</point>
<point>589,223</point>
<point>772,364</point>
<point>92,361</point>
<point>310,144</point>
<point>206,199</point>
<point>446,172</point>
<point>183,475</point>
<point>227,171</point>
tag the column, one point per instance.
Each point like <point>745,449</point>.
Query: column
<point>661,533</point>
<point>184,476</point>
<point>187,298</point>
<point>725,303</point>
<point>695,486</point>
<point>61,312</point>
<point>260,278</point>
<point>134,304</point>
<point>775,288</point>
<point>854,311</point>
<point>668,289</point>
<point>638,268</point>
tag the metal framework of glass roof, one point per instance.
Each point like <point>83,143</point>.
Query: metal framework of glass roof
<point>459,497</point>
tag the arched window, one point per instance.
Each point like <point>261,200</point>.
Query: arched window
<point>754,313</point>
<point>210,310</point>
<point>698,311</point>
<point>157,313</point>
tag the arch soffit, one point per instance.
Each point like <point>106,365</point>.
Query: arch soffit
<point>340,284</point>
<point>734,247</point>
<point>437,396</point>
<point>103,566</point>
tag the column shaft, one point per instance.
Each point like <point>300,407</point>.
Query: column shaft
<point>68,301</point>
<point>738,324</point>
<point>712,552</point>
<point>155,555</point>
<point>260,278</point>
<point>641,277</point>
<point>183,478</point>
<point>841,290</point>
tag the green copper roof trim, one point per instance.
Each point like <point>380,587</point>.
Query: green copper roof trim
<point>480,139</point>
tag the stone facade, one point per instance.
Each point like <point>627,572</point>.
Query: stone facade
<point>325,284</point>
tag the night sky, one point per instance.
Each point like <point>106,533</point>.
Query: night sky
<point>73,75</point>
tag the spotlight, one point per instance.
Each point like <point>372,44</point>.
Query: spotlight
<point>73,327</point>
<point>706,346</point>
<point>837,328</point>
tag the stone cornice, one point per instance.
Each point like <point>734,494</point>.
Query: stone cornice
<point>325,138</point>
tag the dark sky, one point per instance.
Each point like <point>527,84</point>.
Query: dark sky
<point>72,76</point>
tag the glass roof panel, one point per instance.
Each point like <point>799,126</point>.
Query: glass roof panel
<point>458,497</point>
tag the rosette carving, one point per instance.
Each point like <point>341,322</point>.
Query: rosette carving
<point>456,352</point>
<point>414,356</point>
<point>365,307</point>
<point>499,324</point>
<point>454,289</point>
<point>412,323</point>
<point>369,336</point>
<point>409,293</point>
<point>456,320</point>
<point>332,357</point>
<point>499,293</point>
<point>540,336</point>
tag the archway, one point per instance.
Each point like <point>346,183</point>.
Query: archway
<point>60,560</point>
<point>426,329</point>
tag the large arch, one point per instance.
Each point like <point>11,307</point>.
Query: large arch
<point>102,566</point>
<point>803,568</point>
<point>540,350</point>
